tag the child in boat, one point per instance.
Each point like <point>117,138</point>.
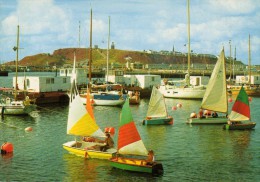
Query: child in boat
<point>214,114</point>
<point>201,114</point>
<point>109,143</point>
<point>150,159</point>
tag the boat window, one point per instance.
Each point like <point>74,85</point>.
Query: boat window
<point>48,81</point>
<point>152,78</point>
<point>52,80</point>
<point>64,80</point>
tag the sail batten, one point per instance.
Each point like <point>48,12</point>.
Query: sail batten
<point>156,107</point>
<point>215,97</point>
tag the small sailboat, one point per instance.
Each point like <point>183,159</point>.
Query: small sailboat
<point>132,154</point>
<point>239,118</point>
<point>81,123</point>
<point>157,112</point>
<point>215,97</point>
<point>13,106</point>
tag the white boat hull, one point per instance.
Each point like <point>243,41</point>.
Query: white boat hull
<point>184,93</point>
<point>209,120</point>
<point>16,110</point>
<point>108,102</point>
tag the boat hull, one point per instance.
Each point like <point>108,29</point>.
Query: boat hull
<point>79,149</point>
<point>17,110</point>
<point>242,126</point>
<point>137,165</point>
<point>158,121</point>
<point>184,93</point>
<point>209,120</point>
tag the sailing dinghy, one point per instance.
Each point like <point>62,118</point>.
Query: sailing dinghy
<point>132,153</point>
<point>81,123</point>
<point>157,112</point>
<point>239,118</point>
<point>215,97</point>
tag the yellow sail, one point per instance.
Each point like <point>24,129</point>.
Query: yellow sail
<point>80,122</point>
<point>215,97</point>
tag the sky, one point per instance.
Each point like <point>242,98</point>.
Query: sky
<point>138,25</point>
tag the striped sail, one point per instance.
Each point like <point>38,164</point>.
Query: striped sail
<point>215,97</point>
<point>156,107</point>
<point>129,140</point>
<point>80,122</point>
<point>240,110</point>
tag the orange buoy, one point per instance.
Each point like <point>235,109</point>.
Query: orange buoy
<point>249,99</point>
<point>28,129</point>
<point>230,100</point>
<point>179,105</point>
<point>92,101</point>
<point>110,130</point>
<point>7,148</point>
<point>174,108</point>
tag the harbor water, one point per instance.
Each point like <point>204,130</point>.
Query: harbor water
<point>187,152</point>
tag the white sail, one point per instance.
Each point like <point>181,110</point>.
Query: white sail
<point>156,107</point>
<point>215,97</point>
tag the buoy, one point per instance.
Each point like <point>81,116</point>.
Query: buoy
<point>249,99</point>
<point>174,108</point>
<point>7,148</point>
<point>230,100</point>
<point>179,105</point>
<point>92,101</point>
<point>110,130</point>
<point>28,129</point>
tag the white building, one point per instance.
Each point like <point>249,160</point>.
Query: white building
<point>143,81</point>
<point>255,79</point>
<point>43,83</point>
<point>81,74</point>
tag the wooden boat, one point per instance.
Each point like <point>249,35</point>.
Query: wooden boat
<point>239,118</point>
<point>215,97</point>
<point>132,152</point>
<point>157,112</point>
<point>81,123</point>
<point>9,106</point>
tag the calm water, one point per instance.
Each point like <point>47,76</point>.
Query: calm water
<point>188,153</point>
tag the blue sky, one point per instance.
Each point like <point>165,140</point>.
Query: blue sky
<point>47,25</point>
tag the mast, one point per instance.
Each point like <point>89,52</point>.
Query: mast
<point>249,61</point>
<point>188,15</point>
<point>230,68</point>
<point>235,58</point>
<point>108,43</point>
<point>79,34</point>
<point>16,63</point>
<point>90,50</point>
